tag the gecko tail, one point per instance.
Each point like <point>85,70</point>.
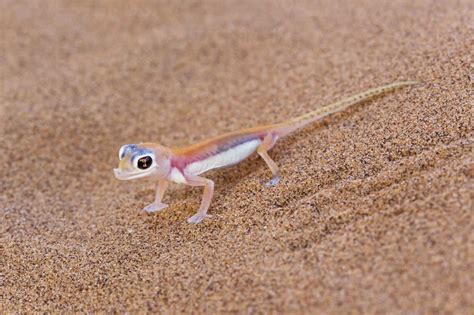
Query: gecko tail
<point>296,123</point>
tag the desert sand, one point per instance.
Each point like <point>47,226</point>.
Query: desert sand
<point>374,210</point>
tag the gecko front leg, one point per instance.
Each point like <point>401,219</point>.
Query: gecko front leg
<point>206,196</point>
<point>160,191</point>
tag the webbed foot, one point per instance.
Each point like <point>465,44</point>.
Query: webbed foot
<point>155,207</point>
<point>198,217</point>
<point>273,182</point>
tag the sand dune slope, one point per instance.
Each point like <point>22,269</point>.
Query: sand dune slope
<point>374,210</point>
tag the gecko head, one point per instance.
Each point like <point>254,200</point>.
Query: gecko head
<point>142,161</point>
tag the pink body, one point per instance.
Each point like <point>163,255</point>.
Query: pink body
<point>222,151</point>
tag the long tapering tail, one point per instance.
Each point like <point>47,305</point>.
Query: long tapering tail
<point>301,121</point>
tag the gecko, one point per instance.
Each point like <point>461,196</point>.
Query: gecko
<point>186,164</point>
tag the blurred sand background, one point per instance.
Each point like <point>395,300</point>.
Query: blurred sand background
<point>374,210</point>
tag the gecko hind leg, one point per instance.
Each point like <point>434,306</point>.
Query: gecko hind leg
<point>262,150</point>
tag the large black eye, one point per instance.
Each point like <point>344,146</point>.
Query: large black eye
<point>144,162</point>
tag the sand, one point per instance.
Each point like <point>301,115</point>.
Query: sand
<point>374,210</point>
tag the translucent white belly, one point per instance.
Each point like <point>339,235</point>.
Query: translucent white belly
<point>176,176</point>
<point>229,157</point>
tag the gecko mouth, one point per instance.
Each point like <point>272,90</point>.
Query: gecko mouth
<point>131,175</point>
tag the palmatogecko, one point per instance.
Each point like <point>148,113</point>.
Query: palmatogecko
<point>185,165</point>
